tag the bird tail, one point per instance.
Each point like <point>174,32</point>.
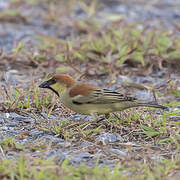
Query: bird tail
<point>153,105</point>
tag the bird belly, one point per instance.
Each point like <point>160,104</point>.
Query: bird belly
<point>98,108</point>
<point>92,108</point>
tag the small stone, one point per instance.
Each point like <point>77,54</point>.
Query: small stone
<point>11,124</point>
<point>58,156</point>
<point>24,141</point>
<point>109,138</point>
<point>79,158</point>
<point>24,119</point>
<point>50,153</point>
<point>1,121</point>
<point>5,128</point>
<point>35,133</point>
<point>118,152</point>
<point>50,138</point>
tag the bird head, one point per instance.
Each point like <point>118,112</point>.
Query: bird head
<point>59,83</point>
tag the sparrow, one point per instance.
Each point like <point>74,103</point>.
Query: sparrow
<point>84,98</point>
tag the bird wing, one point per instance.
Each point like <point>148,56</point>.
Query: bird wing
<point>101,96</point>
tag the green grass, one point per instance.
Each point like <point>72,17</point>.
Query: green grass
<point>140,127</point>
<point>42,169</point>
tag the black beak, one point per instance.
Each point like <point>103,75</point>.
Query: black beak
<point>44,84</point>
<point>47,84</point>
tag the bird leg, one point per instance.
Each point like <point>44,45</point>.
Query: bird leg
<point>107,115</point>
<point>95,116</point>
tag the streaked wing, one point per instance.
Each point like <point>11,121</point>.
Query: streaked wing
<point>102,96</point>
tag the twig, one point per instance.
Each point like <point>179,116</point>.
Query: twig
<point>1,150</point>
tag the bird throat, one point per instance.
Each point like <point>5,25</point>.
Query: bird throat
<point>53,91</point>
<point>58,89</point>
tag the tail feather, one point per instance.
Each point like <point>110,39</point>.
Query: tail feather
<point>153,105</point>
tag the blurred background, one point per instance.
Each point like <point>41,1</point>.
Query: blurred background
<point>21,20</point>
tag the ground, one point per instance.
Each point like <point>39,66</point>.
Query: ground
<point>129,46</point>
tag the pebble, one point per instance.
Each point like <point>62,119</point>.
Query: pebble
<point>1,121</point>
<point>80,158</point>
<point>109,138</point>
<point>35,133</point>
<point>118,152</point>
<point>11,124</point>
<point>50,138</point>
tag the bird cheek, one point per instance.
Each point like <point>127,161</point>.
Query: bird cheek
<point>58,87</point>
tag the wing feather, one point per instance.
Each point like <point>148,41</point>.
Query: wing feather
<point>102,96</point>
